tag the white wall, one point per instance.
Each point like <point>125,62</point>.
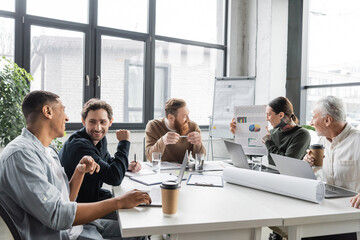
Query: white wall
<point>258,45</point>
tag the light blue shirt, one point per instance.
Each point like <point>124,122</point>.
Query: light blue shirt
<point>31,193</point>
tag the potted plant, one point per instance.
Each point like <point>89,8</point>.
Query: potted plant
<point>308,127</point>
<point>14,85</point>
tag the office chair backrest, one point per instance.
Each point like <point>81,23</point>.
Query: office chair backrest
<point>9,223</point>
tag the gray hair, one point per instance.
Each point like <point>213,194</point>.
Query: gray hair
<point>332,106</point>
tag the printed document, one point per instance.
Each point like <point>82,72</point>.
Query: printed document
<point>251,128</point>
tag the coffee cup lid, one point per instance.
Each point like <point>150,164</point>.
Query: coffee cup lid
<point>169,185</point>
<point>317,146</point>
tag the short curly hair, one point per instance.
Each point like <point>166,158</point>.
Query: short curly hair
<point>172,105</point>
<point>95,104</point>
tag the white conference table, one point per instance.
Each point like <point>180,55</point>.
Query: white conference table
<point>306,219</point>
<point>203,213</point>
<point>236,212</point>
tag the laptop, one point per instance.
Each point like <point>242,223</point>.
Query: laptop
<point>239,159</point>
<point>155,192</point>
<point>298,168</point>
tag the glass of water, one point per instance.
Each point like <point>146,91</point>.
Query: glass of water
<point>199,161</point>
<point>156,160</point>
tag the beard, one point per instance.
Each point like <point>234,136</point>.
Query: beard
<point>181,129</point>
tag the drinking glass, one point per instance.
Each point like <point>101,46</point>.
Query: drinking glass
<point>199,161</point>
<point>156,160</point>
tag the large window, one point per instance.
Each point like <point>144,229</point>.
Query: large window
<point>134,54</point>
<point>69,10</point>
<point>57,66</point>
<point>334,54</point>
<point>192,72</point>
<point>7,37</point>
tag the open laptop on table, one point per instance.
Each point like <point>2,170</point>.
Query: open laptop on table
<point>239,159</point>
<point>298,168</point>
<point>155,192</point>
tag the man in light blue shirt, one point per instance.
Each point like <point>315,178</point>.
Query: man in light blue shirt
<point>34,188</point>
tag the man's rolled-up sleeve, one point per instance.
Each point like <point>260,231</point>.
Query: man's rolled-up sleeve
<point>26,176</point>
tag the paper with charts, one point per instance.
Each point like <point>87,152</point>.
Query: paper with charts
<point>251,128</point>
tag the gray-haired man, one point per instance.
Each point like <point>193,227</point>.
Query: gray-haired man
<point>341,166</point>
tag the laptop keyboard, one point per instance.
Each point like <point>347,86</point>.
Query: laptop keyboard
<point>329,189</point>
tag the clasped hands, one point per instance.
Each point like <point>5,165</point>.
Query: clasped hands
<point>173,138</point>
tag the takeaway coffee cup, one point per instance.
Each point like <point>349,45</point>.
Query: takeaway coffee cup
<point>169,197</point>
<point>317,152</point>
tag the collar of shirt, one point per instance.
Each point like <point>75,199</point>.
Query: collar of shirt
<point>167,125</point>
<point>35,141</point>
<point>342,135</point>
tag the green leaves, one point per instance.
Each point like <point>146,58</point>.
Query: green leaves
<point>308,127</point>
<point>14,85</point>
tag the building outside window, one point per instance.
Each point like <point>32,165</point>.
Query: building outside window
<point>333,52</point>
<point>133,54</point>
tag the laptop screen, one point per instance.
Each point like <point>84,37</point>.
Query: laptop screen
<point>183,167</point>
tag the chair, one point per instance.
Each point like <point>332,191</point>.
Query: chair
<point>9,223</point>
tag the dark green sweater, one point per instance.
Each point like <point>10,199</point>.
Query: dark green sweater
<point>292,143</point>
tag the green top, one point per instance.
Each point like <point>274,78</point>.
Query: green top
<point>292,143</point>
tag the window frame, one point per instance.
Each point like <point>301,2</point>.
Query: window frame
<point>92,48</point>
<point>298,58</point>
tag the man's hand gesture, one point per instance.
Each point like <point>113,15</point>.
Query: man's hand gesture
<point>88,165</point>
<point>133,198</point>
<point>122,134</point>
<point>194,138</point>
<point>170,138</point>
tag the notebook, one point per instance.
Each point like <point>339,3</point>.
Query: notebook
<point>205,180</point>
<point>298,168</point>
<point>155,192</point>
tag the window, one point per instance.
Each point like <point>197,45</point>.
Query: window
<point>334,54</point>
<point>8,5</point>
<point>57,66</point>
<point>200,20</point>
<point>122,77</point>
<point>134,54</point>
<point>68,10</point>
<point>127,15</point>
<point>193,70</point>
<point>7,37</point>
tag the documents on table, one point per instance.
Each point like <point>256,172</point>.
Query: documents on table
<point>302,188</point>
<point>155,195</point>
<point>152,179</point>
<point>205,180</point>
<point>143,171</point>
<point>167,165</point>
<point>212,166</point>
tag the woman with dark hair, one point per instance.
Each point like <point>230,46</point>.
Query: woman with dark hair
<point>287,137</point>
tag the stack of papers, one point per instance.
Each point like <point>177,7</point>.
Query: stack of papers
<point>152,179</point>
<point>205,180</point>
<point>143,171</point>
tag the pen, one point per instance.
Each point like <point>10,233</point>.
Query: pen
<point>134,157</point>
<point>204,184</point>
<point>184,136</point>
